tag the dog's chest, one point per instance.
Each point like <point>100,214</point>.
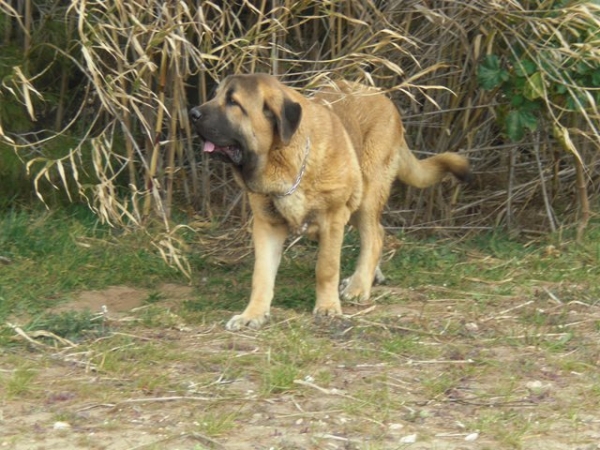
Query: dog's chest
<point>293,210</point>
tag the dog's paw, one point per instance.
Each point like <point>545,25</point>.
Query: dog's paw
<point>330,309</point>
<point>240,321</point>
<point>379,276</point>
<point>351,290</point>
<point>344,284</point>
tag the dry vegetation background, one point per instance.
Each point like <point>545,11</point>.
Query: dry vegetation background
<point>490,345</point>
<point>94,100</point>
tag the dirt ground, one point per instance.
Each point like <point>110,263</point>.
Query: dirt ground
<point>76,401</point>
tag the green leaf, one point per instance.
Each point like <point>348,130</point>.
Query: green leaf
<point>517,100</point>
<point>490,74</point>
<point>525,67</point>
<point>518,121</point>
<point>534,88</point>
<point>576,101</point>
<point>561,89</point>
<point>583,68</point>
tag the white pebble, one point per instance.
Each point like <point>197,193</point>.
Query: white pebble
<point>410,439</point>
<point>472,327</point>
<point>537,387</point>
<point>59,426</point>
<point>472,437</point>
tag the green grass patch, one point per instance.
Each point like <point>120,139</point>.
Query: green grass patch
<point>72,325</point>
<point>20,382</point>
<point>55,253</point>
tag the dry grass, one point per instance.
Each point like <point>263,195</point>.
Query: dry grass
<point>129,71</point>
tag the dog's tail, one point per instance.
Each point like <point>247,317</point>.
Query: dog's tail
<point>427,172</point>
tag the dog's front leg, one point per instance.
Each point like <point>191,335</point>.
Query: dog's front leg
<point>268,246</point>
<point>331,235</point>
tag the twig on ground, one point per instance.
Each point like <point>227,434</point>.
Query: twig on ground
<point>552,296</point>
<point>529,336</point>
<point>411,362</point>
<point>94,406</point>
<point>40,333</point>
<point>338,438</point>
<point>363,312</point>
<point>491,282</point>
<point>396,327</point>
<point>333,391</point>
<point>577,302</point>
<point>310,414</point>
<point>49,334</point>
<point>512,404</point>
<point>173,398</point>
<point>24,335</point>
<point>502,313</point>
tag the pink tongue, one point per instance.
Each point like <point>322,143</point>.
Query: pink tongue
<point>209,147</point>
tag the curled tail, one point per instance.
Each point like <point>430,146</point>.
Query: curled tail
<point>427,172</point>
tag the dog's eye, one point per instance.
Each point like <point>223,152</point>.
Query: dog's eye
<point>230,100</point>
<point>267,111</point>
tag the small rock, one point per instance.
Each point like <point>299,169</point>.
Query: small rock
<point>410,439</point>
<point>472,327</point>
<point>472,437</point>
<point>537,387</point>
<point>61,426</point>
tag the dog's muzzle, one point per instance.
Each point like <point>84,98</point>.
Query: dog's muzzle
<point>229,152</point>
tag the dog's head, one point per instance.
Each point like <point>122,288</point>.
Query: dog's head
<point>249,117</point>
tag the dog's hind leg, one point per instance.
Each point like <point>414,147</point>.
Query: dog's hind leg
<point>358,286</point>
<point>377,181</point>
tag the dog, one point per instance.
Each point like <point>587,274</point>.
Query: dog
<point>312,165</point>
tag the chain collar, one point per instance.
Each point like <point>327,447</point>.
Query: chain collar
<point>291,190</point>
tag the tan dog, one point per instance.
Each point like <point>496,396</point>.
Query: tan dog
<point>313,165</point>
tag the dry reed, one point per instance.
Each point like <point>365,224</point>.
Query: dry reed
<point>130,71</point>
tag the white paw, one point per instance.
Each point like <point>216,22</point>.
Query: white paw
<point>344,284</point>
<point>379,276</point>
<point>236,323</point>
<point>351,290</point>
<point>333,309</point>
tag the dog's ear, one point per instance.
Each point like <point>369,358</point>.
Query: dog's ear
<point>287,118</point>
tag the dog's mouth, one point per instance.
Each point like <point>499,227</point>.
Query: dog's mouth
<point>232,153</point>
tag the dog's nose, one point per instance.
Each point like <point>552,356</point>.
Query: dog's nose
<point>195,114</point>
